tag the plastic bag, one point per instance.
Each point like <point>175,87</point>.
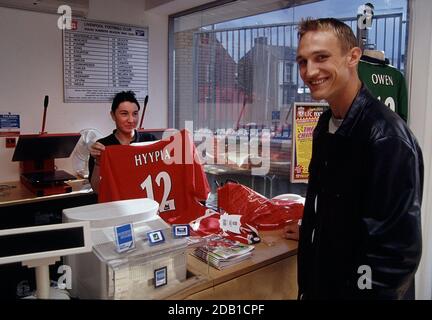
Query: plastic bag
<point>257,210</point>
<point>210,223</point>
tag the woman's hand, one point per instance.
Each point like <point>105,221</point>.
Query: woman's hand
<point>96,150</point>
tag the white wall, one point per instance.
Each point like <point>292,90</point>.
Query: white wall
<point>31,67</point>
<point>420,120</point>
<point>133,12</point>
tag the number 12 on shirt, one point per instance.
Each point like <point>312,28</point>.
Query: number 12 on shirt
<point>147,185</point>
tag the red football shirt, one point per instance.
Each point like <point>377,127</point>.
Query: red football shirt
<point>167,171</point>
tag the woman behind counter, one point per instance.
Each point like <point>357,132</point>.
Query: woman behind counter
<point>124,112</point>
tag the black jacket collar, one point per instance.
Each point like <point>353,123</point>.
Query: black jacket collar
<point>351,117</point>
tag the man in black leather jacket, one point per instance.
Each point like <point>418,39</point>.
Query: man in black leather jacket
<point>360,236</point>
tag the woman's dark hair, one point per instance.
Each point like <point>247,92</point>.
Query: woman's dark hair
<point>122,97</point>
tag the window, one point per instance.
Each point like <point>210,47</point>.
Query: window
<point>233,66</point>
<point>287,71</point>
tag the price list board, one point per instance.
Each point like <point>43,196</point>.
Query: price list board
<point>101,59</point>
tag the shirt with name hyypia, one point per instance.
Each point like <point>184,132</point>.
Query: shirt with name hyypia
<point>167,171</point>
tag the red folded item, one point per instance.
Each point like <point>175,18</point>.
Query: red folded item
<point>257,210</point>
<point>210,224</point>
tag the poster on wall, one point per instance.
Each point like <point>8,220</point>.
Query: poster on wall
<point>305,119</point>
<point>101,59</point>
<point>9,125</point>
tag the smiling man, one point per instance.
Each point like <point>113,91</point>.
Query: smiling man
<point>360,237</point>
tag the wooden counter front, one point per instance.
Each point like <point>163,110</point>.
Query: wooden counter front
<point>19,207</point>
<point>14,192</point>
<point>271,273</point>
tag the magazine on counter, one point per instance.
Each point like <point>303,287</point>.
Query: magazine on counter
<point>220,252</point>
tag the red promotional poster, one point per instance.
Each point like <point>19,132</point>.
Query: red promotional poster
<point>305,119</point>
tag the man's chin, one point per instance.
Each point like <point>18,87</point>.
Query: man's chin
<point>317,96</point>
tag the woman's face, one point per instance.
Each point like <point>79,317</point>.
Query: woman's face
<point>126,117</point>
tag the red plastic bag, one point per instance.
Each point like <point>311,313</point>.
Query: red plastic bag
<point>257,210</point>
<point>210,223</point>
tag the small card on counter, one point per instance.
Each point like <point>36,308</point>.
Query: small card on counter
<point>155,237</point>
<point>180,230</point>
<point>230,222</point>
<point>124,237</point>
<point>160,277</point>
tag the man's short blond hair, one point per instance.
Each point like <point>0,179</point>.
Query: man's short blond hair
<point>342,31</point>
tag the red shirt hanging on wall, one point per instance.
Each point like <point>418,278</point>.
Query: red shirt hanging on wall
<point>167,171</point>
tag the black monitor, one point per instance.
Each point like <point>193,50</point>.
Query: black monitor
<point>24,244</point>
<point>29,243</point>
<point>41,246</point>
<point>45,146</point>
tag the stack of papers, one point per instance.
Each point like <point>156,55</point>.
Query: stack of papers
<point>220,252</point>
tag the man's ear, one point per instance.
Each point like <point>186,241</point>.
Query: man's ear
<point>112,116</point>
<point>354,56</point>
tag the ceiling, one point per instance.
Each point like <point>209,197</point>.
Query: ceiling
<point>161,7</point>
<point>79,7</point>
<point>168,7</point>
